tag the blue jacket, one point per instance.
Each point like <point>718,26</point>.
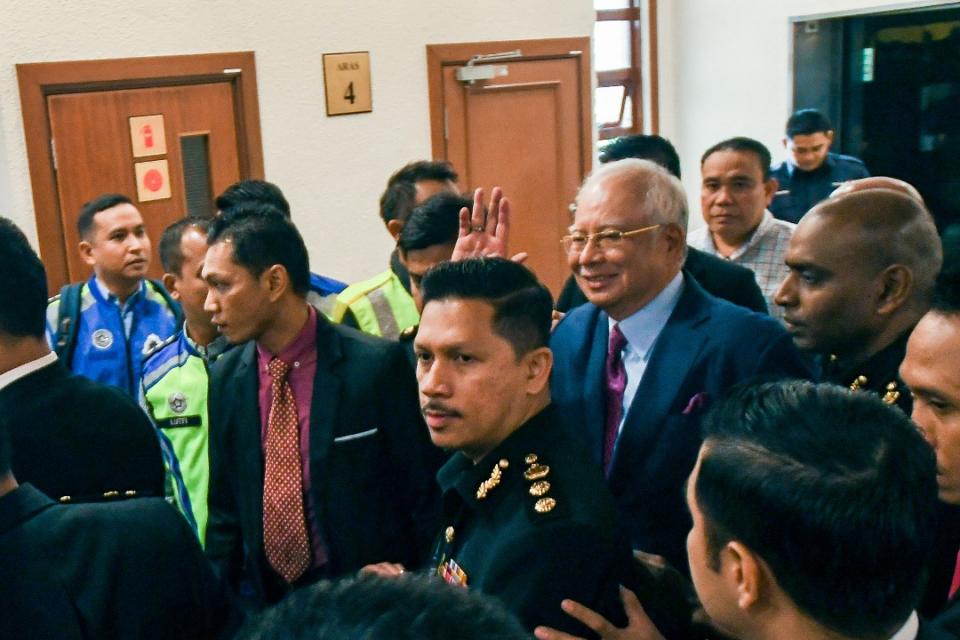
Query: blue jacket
<point>103,351</point>
<point>800,190</point>
<point>707,346</point>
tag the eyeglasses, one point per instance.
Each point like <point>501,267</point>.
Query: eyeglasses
<point>603,240</point>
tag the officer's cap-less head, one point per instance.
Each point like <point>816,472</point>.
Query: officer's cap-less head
<point>522,305</point>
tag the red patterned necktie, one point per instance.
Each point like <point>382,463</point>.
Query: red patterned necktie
<point>616,382</point>
<point>285,539</point>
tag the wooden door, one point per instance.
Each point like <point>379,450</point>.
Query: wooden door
<point>528,130</point>
<point>94,153</point>
<point>79,139</point>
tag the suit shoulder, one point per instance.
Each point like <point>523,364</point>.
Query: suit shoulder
<point>850,161</point>
<point>577,319</point>
<point>744,322</point>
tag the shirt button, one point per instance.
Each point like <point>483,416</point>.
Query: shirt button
<point>296,364</point>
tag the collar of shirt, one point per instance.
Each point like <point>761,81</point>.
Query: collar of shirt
<point>301,351</point>
<point>9,377</point>
<point>642,328</point>
<point>766,222</point>
<point>127,306</point>
<point>909,630</point>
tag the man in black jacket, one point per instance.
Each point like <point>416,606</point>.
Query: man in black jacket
<point>74,439</point>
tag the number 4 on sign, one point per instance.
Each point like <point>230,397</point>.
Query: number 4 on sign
<point>350,95</point>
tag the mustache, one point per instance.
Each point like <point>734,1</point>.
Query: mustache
<point>439,407</point>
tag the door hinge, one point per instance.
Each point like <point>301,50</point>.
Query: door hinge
<point>53,153</point>
<point>446,129</point>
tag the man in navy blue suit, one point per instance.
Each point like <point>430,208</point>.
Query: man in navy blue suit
<point>636,366</point>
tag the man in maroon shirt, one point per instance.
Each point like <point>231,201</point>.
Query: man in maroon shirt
<point>320,462</point>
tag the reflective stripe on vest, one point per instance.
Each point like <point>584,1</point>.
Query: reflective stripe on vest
<point>380,305</point>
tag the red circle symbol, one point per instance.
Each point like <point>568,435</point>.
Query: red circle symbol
<point>153,180</point>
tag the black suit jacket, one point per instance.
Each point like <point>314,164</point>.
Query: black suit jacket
<point>718,277</point>
<point>707,346</point>
<point>372,464</point>
<point>74,437</point>
<point>131,569</point>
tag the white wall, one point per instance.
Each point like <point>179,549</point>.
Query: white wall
<point>725,70</point>
<point>332,169</point>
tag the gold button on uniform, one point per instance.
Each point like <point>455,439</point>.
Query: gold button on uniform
<point>545,505</point>
<point>448,534</point>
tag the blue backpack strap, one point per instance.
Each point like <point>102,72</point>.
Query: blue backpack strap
<point>68,320</point>
<point>172,304</point>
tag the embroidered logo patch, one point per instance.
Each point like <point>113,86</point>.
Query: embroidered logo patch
<point>177,402</point>
<point>102,339</point>
<point>151,343</point>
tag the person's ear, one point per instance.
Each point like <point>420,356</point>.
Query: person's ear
<point>745,570</point>
<point>894,288</point>
<point>786,143</point>
<point>276,281</point>
<point>394,227</point>
<point>170,284</point>
<point>770,189</point>
<point>539,363</point>
<point>86,253</point>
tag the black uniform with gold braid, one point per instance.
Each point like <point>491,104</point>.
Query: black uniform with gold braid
<point>880,374</point>
<point>533,523</point>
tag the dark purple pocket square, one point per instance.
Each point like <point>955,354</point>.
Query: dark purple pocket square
<point>696,403</point>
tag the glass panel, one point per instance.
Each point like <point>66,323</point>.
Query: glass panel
<point>600,5</point>
<point>607,104</point>
<point>628,113</point>
<point>196,175</point>
<point>611,45</point>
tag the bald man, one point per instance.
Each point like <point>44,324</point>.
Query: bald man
<point>878,182</point>
<point>862,268</point>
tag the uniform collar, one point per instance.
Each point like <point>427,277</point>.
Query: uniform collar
<point>101,292</point>
<point>460,475</point>
<point>20,505</point>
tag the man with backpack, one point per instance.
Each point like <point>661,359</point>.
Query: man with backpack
<point>103,328</point>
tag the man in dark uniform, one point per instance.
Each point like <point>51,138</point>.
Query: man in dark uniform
<point>526,515</point>
<point>812,171</point>
<point>862,268</point>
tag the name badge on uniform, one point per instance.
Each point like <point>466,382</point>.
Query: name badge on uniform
<point>452,573</point>
<point>177,422</point>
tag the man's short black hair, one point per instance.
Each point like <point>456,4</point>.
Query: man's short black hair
<point>95,206</point>
<point>262,237</point>
<point>23,285</point>
<point>522,307</point>
<point>436,221</point>
<point>653,148</point>
<point>247,191</point>
<point>742,144</point>
<point>171,249</point>
<point>834,489</point>
<point>410,607</point>
<point>806,122</point>
<point>398,199</point>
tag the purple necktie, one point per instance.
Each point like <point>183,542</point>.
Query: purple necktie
<point>616,382</point>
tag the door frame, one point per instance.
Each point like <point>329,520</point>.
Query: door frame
<point>42,79</point>
<point>444,55</point>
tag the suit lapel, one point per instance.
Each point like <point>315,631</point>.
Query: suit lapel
<point>324,403</point>
<point>673,356</point>
<point>247,436</point>
<point>594,380</point>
